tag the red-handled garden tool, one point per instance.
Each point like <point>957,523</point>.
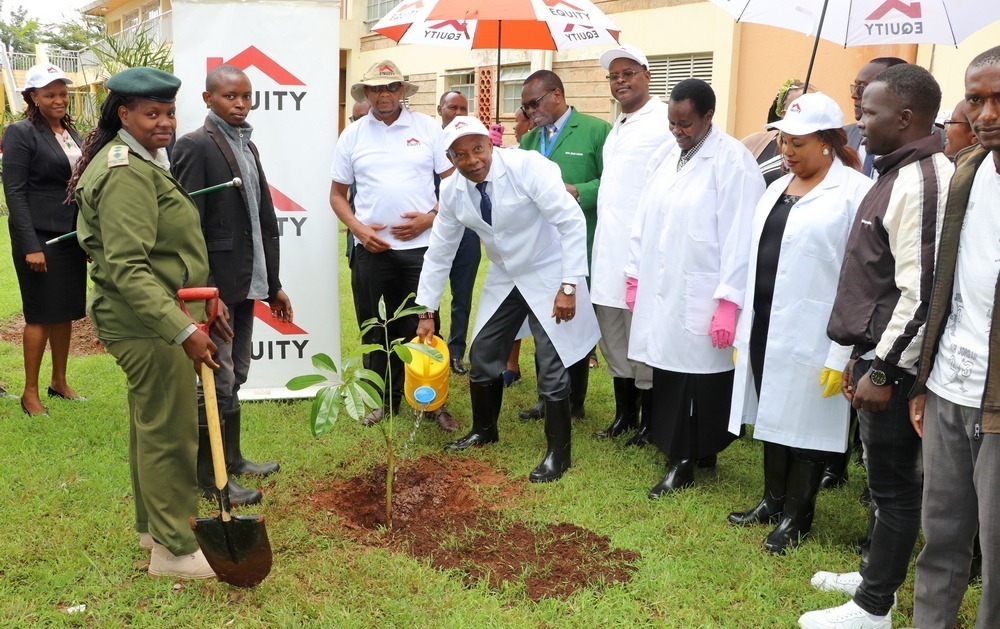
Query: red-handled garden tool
<point>236,547</point>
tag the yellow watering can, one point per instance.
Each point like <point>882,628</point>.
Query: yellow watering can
<point>426,383</point>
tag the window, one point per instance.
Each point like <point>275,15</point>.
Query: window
<point>464,81</point>
<point>130,20</point>
<point>150,11</point>
<point>511,80</point>
<point>377,10</point>
<point>669,71</point>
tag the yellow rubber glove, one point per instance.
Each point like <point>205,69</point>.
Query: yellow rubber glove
<point>736,354</point>
<point>831,380</point>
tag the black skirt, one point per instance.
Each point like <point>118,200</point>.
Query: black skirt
<point>60,294</point>
<point>691,413</point>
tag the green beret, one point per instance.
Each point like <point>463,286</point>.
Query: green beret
<point>146,82</point>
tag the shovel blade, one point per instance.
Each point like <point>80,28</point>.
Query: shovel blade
<point>238,550</point>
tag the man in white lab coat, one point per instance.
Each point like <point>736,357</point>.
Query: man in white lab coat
<point>641,129</point>
<point>534,235</point>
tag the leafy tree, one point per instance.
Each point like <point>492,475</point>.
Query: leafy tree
<point>20,32</point>
<point>74,34</point>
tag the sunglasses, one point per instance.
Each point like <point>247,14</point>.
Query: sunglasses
<point>625,74</point>
<point>392,88</point>
<point>526,107</point>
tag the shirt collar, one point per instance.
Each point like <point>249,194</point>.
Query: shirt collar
<point>159,158</point>
<point>561,122</point>
<point>230,130</point>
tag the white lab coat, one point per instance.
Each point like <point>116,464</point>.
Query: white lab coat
<point>538,240</point>
<point>792,410</point>
<point>689,247</point>
<point>626,153</point>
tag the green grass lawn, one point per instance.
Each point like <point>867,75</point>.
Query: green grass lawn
<point>66,534</point>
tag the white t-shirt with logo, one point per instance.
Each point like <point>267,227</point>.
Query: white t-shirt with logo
<point>959,372</point>
<point>393,167</point>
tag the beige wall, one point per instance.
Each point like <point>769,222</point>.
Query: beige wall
<point>948,63</point>
<point>769,56</point>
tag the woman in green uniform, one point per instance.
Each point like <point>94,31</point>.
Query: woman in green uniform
<point>142,232</point>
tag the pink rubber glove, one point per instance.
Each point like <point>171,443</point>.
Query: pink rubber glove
<point>723,324</point>
<point>631,288</point>
<point>496,134</point>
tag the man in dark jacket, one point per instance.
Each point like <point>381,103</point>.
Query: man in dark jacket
<point>241,232</point>
<point>959,369</point>
<point>880,308</point>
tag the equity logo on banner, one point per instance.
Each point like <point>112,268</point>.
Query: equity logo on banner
<point>283,203</point>
<point>280,349</point>
<point>268,100</point>
<point>904,18</point>
<point>571,10</point>
<point>456,31</point>
<point>588,32</point>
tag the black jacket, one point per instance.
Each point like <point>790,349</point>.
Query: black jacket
<point>204,158</point>
<point>35,175</point>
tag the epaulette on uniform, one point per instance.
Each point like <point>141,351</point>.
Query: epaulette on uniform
<point>118,156</point>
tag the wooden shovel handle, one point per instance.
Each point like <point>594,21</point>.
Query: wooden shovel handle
<point>215,435</point>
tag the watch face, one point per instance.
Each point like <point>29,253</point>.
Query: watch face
<point>568,290</point>
<point>878,378</point>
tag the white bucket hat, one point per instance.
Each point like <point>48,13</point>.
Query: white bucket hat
<point>382,73</point>
<point>810,113</point>
<point>42,74</point>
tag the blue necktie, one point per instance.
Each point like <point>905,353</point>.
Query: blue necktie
<point>485,203</point>
<point>868,165</point>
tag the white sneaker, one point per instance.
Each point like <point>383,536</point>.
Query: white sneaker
<point>145,541</point>
<point>847,616</point>
<point>165,564</point>
<point>845,582</point>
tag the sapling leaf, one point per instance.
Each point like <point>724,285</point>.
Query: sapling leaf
<point>326,408</point>
<point>365,348</point>
<point>369,397</point>
<point>368,323</point>
<point>354,402</point>
<point>402,305</point>
<point>324,364</point>
<point>404,353</point>
<point>304,382</point>
<point>371,376</point>
<point>427,350</point>
<point>409,312</point>
<point>381,308</point>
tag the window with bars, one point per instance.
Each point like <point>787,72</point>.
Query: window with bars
<point>464,81</point>
<point>376,11</point>
<point>666,72</point>
<point>511,81</point>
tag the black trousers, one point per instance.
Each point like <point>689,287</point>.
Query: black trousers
<point>391,275</point>
<point>491,347</point>
<point>691,413</point>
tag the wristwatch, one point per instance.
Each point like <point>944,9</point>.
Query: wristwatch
<point>878,377</point>
<point>567,289</point>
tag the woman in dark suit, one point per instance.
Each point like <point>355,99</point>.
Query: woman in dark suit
<point>38,156</point>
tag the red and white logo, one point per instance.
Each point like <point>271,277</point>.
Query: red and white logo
<point>909,9</point>
<point>461,125</point>
<point>262,312</point>
<point>413,142</point>
<point>253,57</point>
<point>796,108</point>
<point>452,30</point>
<point>282,202</point>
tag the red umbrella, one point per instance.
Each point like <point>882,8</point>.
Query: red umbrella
<point>499,24</point>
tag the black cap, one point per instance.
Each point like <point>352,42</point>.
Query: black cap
<point>146,82</point>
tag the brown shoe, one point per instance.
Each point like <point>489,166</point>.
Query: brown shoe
<point>372,418</point>
<point>445,421</point>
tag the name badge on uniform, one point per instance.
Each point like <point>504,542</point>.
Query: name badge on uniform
<point>118,156</point>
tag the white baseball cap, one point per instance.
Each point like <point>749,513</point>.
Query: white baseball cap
<point>43,74</point>
<point>462,126</point>
<point>623,52</point>
<point>810,113</point>
<point>943,116</point>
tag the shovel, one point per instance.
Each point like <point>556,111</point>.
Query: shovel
<point>236,547</point>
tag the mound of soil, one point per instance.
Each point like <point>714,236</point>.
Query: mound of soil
<point>439,514</point>
<point>83,342</point>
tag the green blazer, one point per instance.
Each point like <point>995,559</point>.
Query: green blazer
<point>144,235</point>
<point>579,153</point>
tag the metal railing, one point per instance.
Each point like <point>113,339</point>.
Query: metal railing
<point>159,28</point>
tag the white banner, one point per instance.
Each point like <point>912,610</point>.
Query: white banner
<point>290,51</point>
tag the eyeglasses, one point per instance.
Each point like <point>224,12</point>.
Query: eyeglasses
<point>392,88</point>
<point>948,122</point>
<point>526,107</point>
<point>858,88</point>
<point>625,74</point>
